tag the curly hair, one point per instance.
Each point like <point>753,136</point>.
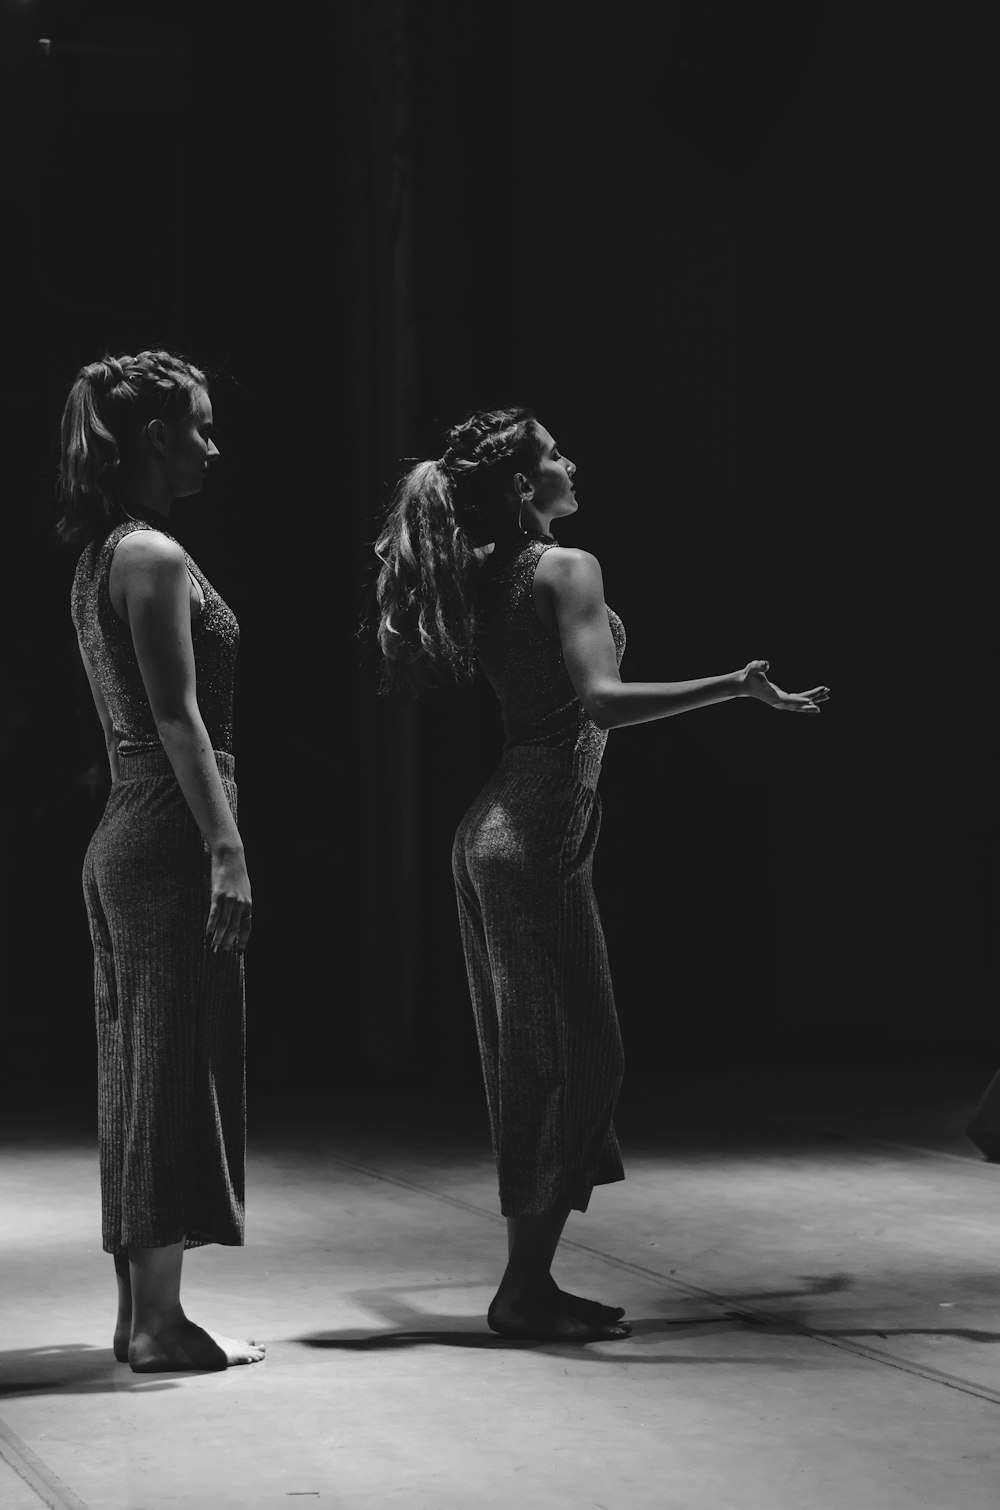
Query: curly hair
<point>441,513</point>
<point>108,408</point>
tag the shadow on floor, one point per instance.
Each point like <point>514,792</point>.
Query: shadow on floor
<point>72,1368</point>
<point>645,1329</point>
<point>407,1326</point>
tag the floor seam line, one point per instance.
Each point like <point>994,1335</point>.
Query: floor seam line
<point>888,1360</point>
<point>40,1479</point>
<point>781,1323</point>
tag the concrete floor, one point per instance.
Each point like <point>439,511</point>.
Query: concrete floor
<point>811,1269</point>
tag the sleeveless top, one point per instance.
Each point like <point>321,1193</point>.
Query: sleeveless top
<point>524,662</point>
<point>107,642</point>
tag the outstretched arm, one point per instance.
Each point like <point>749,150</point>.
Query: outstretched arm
<point>570,581</point>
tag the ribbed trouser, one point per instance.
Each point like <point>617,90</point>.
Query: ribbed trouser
<point>538,974</point>
<point>170,1020</point>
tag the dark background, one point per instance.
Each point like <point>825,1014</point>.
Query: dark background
<point>736,258</point>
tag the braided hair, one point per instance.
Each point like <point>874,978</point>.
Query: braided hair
<point>109,406</point>
<point>441,514</point>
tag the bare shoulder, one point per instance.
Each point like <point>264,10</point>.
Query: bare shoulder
<point>147,568</point>
<point>568,569</point>
<point>145,553</point>
<point>148,546</point>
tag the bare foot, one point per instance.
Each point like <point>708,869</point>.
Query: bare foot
<point>235,1348</point>
<point>583,1310</point>
<point>123,1332</point>
<point>542,1319</point>
<point>183,1345</point>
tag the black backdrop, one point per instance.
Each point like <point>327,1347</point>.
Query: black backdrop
<point>735,258</point>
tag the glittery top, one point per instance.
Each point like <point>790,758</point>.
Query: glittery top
<point>524,662</point>
<point>107,642</point>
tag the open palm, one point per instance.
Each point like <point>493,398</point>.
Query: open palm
<point>756,684</point>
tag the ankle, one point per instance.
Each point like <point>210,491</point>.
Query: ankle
<point>153,1320</point>
<point>525,1288</point>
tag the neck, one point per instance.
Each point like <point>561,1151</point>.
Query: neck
<point>534,522</point>
<point>515,540</point>
<point>145,496</point>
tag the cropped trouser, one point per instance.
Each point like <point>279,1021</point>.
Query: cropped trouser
<point>538,974</point>
<point>170,1020</point>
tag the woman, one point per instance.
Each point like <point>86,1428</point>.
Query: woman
<point>471,572</point>
<point>165,878</point>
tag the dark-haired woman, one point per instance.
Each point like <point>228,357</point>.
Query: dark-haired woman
<point>470,572</point>
<point>165,878</point>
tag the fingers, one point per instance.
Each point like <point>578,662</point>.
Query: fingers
<point>228,927</point>
<point>784,702</point>
<point>232,932</point>
<point>218,924</point>
<point>799,702</point>
<point>812,699</point>
<point>815,694</point>
<point>795,702</point>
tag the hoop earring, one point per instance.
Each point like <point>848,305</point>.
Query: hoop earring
<point>522,499</point>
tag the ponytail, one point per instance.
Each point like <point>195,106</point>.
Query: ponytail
<point>423,591</point>
<point>108,408</point>
<point>89,453</point>
<point>440,515</point>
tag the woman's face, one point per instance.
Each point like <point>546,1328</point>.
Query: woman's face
<point>552,493</point>
<point>188,447</point>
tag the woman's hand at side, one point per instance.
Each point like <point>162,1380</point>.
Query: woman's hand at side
<point>150,574</point>
<point>756,684</point>
<point>229,918</point>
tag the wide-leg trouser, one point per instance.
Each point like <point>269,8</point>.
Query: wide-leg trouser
<point>170,1021</point>
<point>539,978</point>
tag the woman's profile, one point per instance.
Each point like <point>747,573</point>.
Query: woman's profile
<point>165,877</point>
<point>471,574</point>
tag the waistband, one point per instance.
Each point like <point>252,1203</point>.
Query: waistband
<point>133,765</point>
<point>578,765</point>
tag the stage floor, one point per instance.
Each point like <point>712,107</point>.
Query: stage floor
<point>811,1266</point>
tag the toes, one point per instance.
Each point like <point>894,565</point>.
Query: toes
<point>616,1333</point>
<point>588,1310</point>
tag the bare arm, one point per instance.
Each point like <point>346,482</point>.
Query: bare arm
<point>570,582</point>
<point>110,736</point>
<point>153,580</point>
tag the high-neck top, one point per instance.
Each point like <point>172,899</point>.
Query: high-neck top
<point>524,662</point>
<point>107,642</point>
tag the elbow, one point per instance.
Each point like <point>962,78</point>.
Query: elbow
<point>178,725</point>
<point>600,708</point>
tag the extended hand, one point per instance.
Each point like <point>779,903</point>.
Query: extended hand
<point>756,684</point>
